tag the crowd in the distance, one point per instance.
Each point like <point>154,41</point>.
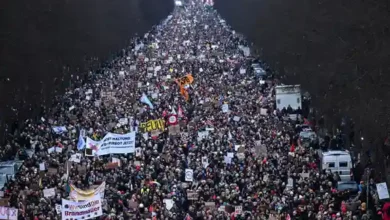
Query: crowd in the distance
<point>241,149</point>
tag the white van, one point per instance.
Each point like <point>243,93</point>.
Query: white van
<point>339,162</point>
<point>288,95</point>
<point>8,170</point>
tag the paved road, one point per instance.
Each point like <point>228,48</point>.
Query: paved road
<point>337,50</point>
<point>43,42</point>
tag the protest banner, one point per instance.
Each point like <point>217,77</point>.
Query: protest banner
<point>158,124</point>
<point>77,194</point>
<point>88,209</point>
<point>8,213</point>
<point>112,144</point>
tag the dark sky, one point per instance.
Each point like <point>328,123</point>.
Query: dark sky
<point>38,38</point>
<point>337,50</point>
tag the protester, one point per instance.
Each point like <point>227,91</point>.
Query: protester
<point>234,157</point>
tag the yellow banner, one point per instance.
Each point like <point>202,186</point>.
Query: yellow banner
<point>151,125</point>
<point>185,80</point>
<point>79,194</point>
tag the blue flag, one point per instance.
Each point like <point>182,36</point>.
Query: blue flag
<point>81,143</point>
<point>144,99</point>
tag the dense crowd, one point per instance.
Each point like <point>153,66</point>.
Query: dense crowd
<point>246,157</point>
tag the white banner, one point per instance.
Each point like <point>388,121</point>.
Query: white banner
<point>77,194</point>
<point>113,144</point>
<point>8,213</point>
<point>88,209</point>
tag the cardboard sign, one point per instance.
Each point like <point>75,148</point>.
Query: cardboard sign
<point>47,193</point>
<point>52,171</point>
<point>155,133</point>
<point>42,167</point>
<point>225,108</point>
<point>238,210</point>
<point>305,175</point>
<point>383,192</point>
<point>111,166</point>
<point>189,175</point>
<point>151,125</point>
<point>192,195</point>
<point>209,205</point>
<point>185,185</point>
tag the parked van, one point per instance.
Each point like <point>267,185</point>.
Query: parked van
<point>339,162</point>
<point>288,96</point>
<point>8,170</point>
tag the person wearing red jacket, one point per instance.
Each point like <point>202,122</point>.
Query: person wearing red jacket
<point>386,211</point>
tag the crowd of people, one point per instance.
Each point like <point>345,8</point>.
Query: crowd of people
<point>245,156</point>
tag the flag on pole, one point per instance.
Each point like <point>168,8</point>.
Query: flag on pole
<point>81,143</point>
<point>144,99</point>
<point>180,112</point>
<point>188,217</point>
<point>184,93</point>
<point>220,100</point>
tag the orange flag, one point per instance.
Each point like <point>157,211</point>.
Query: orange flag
<point>185,80</point>
<point>184,93</point>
